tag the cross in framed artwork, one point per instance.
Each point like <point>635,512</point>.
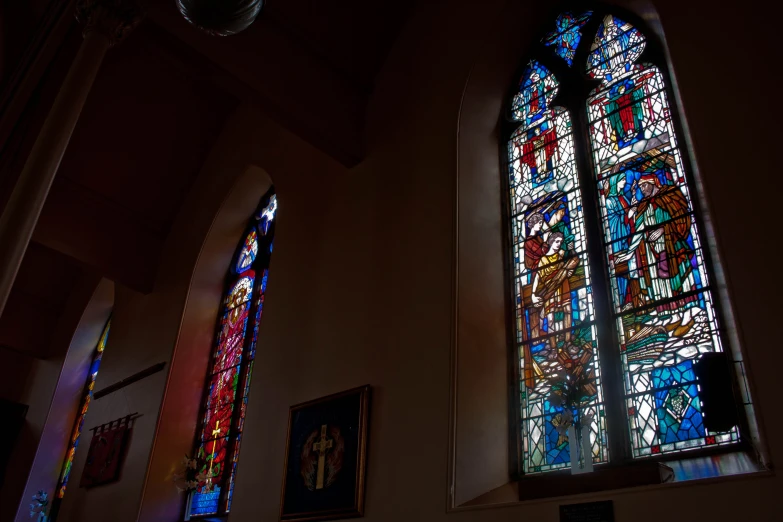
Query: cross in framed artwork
<point>321,446</point>
<point>326,458</point>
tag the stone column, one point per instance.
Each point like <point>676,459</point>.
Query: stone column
<point>106,22</point>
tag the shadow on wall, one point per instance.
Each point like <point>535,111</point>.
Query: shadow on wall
<point>13,415</point>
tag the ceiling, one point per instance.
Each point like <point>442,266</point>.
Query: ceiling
<point>38,299</point>
<point>354,37</point>
<point>157,106</point>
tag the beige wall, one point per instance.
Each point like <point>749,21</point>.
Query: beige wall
<point>174,323</point>
<point>438,105</point>
<point>34,383</point>
<point>65,387</point>
<point>364,281</point>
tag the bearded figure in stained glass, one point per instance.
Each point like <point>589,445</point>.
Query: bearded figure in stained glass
<point>660,252</point>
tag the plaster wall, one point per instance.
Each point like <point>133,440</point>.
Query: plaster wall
<point>378,277</point>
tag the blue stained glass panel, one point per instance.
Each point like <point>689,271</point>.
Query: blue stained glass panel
<point>677,403</point>
<point>565,38</point>
<point>205,503</point>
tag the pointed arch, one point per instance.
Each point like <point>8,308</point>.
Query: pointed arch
<point>555,317</point>
<point>601,216</point>
<point>230,368</point>
<point>662,302</point>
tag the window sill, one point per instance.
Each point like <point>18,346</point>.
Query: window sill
<point>649,473</point>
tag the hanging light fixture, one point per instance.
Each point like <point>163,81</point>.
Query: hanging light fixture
<point>220,17</point>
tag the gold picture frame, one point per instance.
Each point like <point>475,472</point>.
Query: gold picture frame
<point>326,457</point>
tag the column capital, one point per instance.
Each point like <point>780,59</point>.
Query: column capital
<point>115,19</point>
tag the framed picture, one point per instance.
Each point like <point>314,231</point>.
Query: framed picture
<point>326,457</point>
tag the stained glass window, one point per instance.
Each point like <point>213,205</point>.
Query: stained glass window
<point>663,306</point>
<point>76,433</point>
<point>611,160</point>
<point>231,366</point>
<point>554,300</point>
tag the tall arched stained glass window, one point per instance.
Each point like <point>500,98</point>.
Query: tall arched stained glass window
<point>231,366</point>
<point>606,251</point>
<point>76,433</point>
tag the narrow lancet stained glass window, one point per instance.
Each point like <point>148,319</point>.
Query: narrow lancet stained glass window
<point>663,305</point>
<point>92,374</point>
<point>555,329</point>
<point>231,366</point>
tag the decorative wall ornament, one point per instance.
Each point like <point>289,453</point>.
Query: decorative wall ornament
<point>326,457</point>
<point>220,17</point>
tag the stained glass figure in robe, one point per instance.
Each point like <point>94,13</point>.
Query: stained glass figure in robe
<point>554,303</point>
<point>565,38</point>
<point>660,290</point>
<point>232,363</point>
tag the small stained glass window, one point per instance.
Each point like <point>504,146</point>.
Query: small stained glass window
<point>231,366</point>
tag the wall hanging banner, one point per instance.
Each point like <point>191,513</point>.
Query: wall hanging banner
<point>104,458</point>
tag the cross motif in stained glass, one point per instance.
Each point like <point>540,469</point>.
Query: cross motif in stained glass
<point>231,367</point>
